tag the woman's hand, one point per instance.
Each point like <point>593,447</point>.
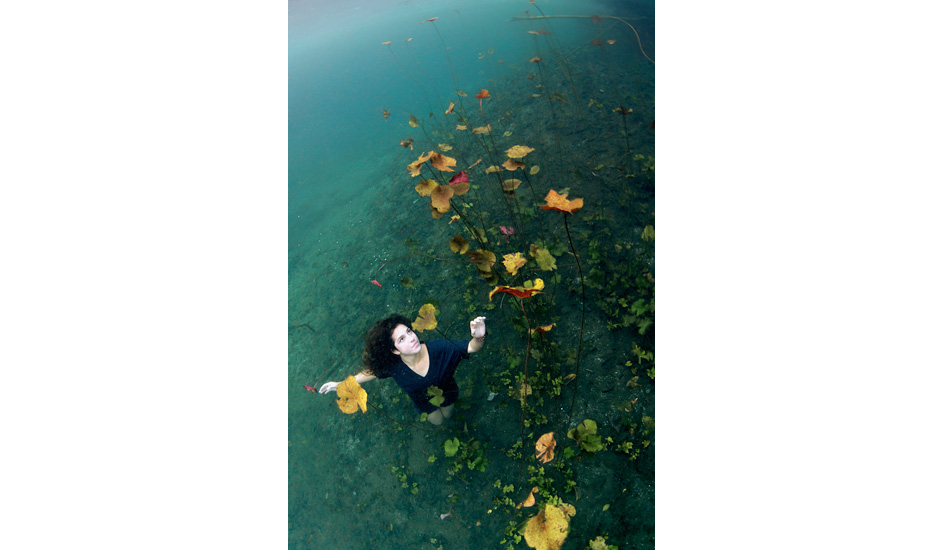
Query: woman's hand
<point>328,387</point>
<point>478,327</point>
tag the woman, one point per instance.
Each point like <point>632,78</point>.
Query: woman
<point>394,350</point>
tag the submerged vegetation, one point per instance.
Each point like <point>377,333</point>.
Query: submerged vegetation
<point>546,174</point>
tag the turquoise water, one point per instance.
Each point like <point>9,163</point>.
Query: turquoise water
<point>382,479</point>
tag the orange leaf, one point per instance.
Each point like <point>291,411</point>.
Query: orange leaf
<point>545,328</point>
<point>559,202</point>
<point>519,291</point>
<point>460,188</point>
<point>528,502</point>
<point>545,447</point>
<point>512,164</point>
<point>482,94</point>
<point>416,166</point>
<point>442,162</point>
<point>440,198</point>
<point>351,396</point>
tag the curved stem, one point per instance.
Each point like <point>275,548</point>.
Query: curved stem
<point>580,338</point>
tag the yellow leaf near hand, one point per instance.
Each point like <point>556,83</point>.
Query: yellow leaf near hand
<point>351,396</point>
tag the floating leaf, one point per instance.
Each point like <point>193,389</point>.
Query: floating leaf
<point>406,282</point>
<point>453,219</point>
<point>351,396</point>
<point>437,394</point>
<point>442,162</point>
<point>461,93</point>
<point>534,170</point>
<point>544,447</point>
<point>440,198</point>
<point>506,134</point>
<point>519,291</point>
<point>415,167</point>
<point>482,129</point>
<point>386,43</point>
<point>460,177</point>
<point>483,259</point>
<point>482,94</point>
<point>461,126</point>
<point>544,258</point>
<point>425,187</point>
<point>460,188</point>
<point>451,446</point>
<point>648,234</point>
<point>492,169</point>
<point>543,328</point>
<point>426,319</point>
<point>510,185</point>
<point>611,41</point>
<point>518,151</point>
<point>385,113</point>
<point>413,121</point>
<point>451,108</point>
<point>623,110</point>
<point>535,59</point>
<point>559,202</point>
<point>512,165</point>
<point>528,502</point>
<point>458,244</point>
<point>548,529</point>
<point>445,147</point>
<point>407,143</point>
<point>513,262</point>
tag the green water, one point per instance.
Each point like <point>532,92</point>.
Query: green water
<point>382,479</point>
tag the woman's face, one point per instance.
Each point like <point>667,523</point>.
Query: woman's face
<point>405,340</point>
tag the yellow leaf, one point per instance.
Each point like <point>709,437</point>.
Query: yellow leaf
<point>445,147</point>
<point>513,262</point>
<point>559,202</point>
<point>426,319</point>
<point>482,129</point>
<point>548,529</point>
<point>506,134</point>
<point>535,169</point>
<point>518,151</point>
<point>351,396</point>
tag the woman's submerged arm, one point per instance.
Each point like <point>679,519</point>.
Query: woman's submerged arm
<point>478,334</point>
<point>362,377</point>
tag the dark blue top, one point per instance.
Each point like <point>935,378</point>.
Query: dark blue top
<point>444,357</point>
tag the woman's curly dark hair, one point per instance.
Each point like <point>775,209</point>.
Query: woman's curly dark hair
<point>378,355</point>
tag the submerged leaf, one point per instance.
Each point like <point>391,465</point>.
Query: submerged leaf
<point>518,151</point>
<point>413,121</point>
<point>458,244</point>
<point>451,108</point>
<point>440,198</point>
<point>442,162</point>
<point>544,447</point>
<point>519,291</point>
<point>461,127</point>
<point>548,529</point>
<point>512,165</point>
<point>513,262</point>
<point>534,170</point>
<point>425,187</point>
<point>351,396</point>
<point>426,319</point>
<point>492,169</point>
<point>482,129</point>
<point>559,202</point>
<point>544,258</point>
<point>510,185</point>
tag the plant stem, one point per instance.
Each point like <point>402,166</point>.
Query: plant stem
<point>580,338</point>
